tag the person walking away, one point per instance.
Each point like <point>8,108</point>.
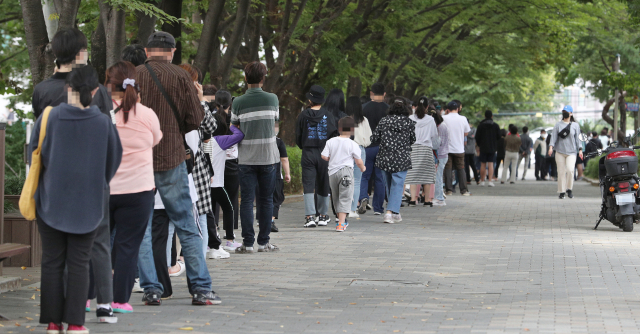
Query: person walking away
<point>170,92</point>
<point>70,48</point>
<point>566,143</point>
<point>374,111</point>
<point>500,153</point>
<point>131,201</point>
<point>593,145</point>
<point>512,145</point>
<point>470,155</point>
<point>362,137</point>
<point>395,133</point>
<point>70,199</point>
<point>256,113</point>
<point>220,142</point>
<point>487,137</point>
<point>443,156</point>
<point>315,125</point>
<point>458,127</point>
<point>525,151</point>
<point>539,149</point>
<point>423,166</point>
<point>335,104</point>
<point>341,152</point>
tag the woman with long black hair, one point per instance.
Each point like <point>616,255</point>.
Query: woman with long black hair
<point>362,137</point>
<point>335,104</point>
<point>423,166</point>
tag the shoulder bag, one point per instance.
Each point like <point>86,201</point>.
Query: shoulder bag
<point>27,197</point>
<point>564,133</point>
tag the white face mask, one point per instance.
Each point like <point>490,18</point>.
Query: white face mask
<point>544,135</point>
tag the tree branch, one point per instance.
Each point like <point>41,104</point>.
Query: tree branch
<point>13,55</point>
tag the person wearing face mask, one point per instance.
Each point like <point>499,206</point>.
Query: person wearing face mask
<point>565,141</point>
<point>539,148</point>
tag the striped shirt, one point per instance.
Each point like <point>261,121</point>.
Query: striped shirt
<point>170,152</point>
<point>256,113</point>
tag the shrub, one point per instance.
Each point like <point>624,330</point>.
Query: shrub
<point>13,184</point>
<point>295,156</point>
<point>592,168</point>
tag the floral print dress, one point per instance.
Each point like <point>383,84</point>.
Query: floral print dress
<point>396,134</point>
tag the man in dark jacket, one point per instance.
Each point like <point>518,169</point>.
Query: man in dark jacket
<point>314,127</point>
<point>487,138</point>
<point>592,146</point>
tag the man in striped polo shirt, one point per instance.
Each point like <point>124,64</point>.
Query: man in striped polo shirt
<point>256,113</point>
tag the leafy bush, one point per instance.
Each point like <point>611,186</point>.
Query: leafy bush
<point>295,156</point>
<point>13,184</point>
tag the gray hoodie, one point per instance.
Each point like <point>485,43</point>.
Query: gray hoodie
<point>426,131</point>
<point>569,145</point>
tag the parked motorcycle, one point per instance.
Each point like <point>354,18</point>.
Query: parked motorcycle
<point>619,183</point>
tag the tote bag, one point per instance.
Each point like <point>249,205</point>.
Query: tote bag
<point>27,201</point>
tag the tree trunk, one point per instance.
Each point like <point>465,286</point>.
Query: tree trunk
<point>229,57</point>
<point>355,87</point>
<point>99,51</point>
<point>40,54</point>
<point>68,14</point>
<point>146,27</point>
<point>114,28</point>
<point>209,33</point>
<point>214,60</point>
<point>174,8</point>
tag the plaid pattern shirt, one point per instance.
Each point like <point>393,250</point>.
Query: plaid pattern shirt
<point>201,171</point>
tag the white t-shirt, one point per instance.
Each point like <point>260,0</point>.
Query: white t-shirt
<point>458,125</point>
<point>218,164</point>
<point>341,153</point>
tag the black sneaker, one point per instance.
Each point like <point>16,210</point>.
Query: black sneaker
<point>411,203</point>
<point>362,208</point>
<point>106,315</point>
<point>274,228</point>
<point>209,298</point>
<point>310,222</point>
<point>561,196</point>
<point>569,193</point>
<point>430,204</point>
<point>323,220</point>
<point>152,298</point>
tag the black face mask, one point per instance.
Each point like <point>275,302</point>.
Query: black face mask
<point>565,114</point>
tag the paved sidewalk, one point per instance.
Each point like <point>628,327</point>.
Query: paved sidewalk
<point>508,259</point>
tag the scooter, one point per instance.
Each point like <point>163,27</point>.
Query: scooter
<point>619,183</point>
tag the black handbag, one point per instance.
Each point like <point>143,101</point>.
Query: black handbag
<point>564,133</point>
<point>189,156</point>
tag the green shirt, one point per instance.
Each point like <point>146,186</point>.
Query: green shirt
<point>256,113</point>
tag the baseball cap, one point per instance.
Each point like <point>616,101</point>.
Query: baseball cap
<point>568,108</point>
<point>452,105</point>
<point>161,36</point>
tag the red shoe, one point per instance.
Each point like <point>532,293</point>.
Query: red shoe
<point>77,329</point>
<point>55,328</point>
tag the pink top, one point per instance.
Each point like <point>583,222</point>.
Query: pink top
<point>138,136</point>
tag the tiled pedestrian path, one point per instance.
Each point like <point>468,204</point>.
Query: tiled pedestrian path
<point>509,259</point>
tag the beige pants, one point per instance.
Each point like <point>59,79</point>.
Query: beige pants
<point>566,167</point>
<point>510,158</point>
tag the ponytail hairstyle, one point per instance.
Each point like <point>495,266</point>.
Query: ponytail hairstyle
<point>121,77</point>
<point>223,127</point>
<point>223,100</point>
<point>83,80</point>
<point>422,107</point>
<point>438,119</point>
<point>400,107</point>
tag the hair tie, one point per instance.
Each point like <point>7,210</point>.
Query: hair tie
<point>421,101</point>
<point>128,82</point>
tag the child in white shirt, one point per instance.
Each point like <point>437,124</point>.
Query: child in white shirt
<point>341,152</point>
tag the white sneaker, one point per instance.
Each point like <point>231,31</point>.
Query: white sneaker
<point>388,218</point>
<point>218,254</point>
<point>323,220</point>
<point>183,268</point>
<point>353,214</point>
<point>482,184</point>
<point>439,203</point>
<point>491,184</point>
<point>136,287</point>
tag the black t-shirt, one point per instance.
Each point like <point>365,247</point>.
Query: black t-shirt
<point>282,148</point>
<point>374,112</point>
<point>50,92</point>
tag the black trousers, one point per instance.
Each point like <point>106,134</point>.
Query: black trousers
<point>499,160</point>
<point>469,160</point>
<point>540,171</point>
<point>232,187</point>
<point>551,166</point>
<point>220,197</point>
<point>129,217</point>
<point>315,172</point>
<point>60,249</point>
<point>159,237</point>
<point>278,196</point>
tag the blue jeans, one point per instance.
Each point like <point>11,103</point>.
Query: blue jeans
<point>357,176</point>
<point>439,192</point>
<point>394,185</point>
<point>378,189</point>
<point>263,177</point>
<point>203,230</point>
<point>173,186</point>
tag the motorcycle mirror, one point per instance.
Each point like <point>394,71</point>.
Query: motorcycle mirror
<point>583,137</point>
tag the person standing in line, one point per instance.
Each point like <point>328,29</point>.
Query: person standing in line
<point>362,136</point>
<point>470,155</point>
<point>604,137</point>
<point>70,48</point>
<point>278,192</point>
<point>80,155</point>
<point>256,113</point>
<point>525,151</point>
<point>341,152</point>
<point>539,149</point>
<point>423,166</point>
<point>395,133</point>
<point>512,145</point>
<point>315,125</point>
<point>132,186</point>
<point>550,161</point>
<point>374,111</point>
<point>593,145</point>
<point>180,104</point>
<point>458,127</point>
<point>443,156</point>
<point>487,137</point>
<point>335,104</point>
<point>500,154</point>
<point>565,141</point>
<point>134,54</point>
